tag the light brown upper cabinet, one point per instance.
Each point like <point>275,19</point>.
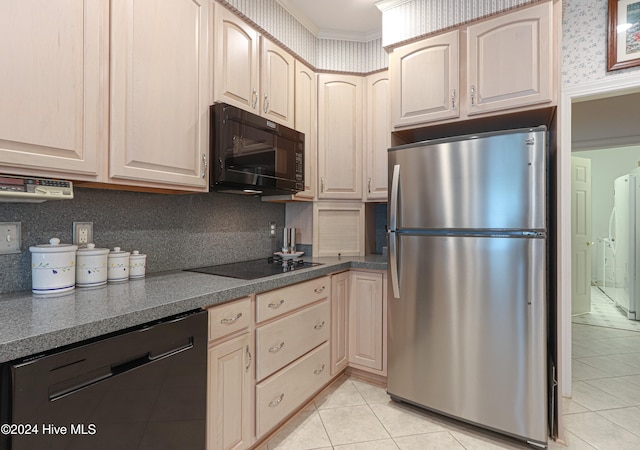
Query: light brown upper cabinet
<point>54,88</point>
<point>108,92</point>
<point>251,72</point>
<point>159,130</point>
<point>340,136</point>
<point>306,112</point>
<point>377,135</point>
<point>505,64</point>
<point>425,80</point>
<point>509,60</point>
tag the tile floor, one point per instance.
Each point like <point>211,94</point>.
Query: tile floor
<point>604,412</point>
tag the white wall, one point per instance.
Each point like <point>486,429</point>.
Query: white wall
<point>606,166</point>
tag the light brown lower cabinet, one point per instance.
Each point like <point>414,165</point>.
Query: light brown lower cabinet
<point>230,374</point>
<point>367,321</point>
<point>230,406</point>
<point>281,394</point>
<point>270,353</point>
<point>339,321</point>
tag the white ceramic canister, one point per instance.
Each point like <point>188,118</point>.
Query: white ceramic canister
<point>117,266</point>
<point>91,266</point>
<point>53,267</point>
<point>137,264</point>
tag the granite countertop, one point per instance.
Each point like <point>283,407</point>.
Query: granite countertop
<point>32,324</point>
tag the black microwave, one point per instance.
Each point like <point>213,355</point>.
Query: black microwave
<point>253,155</point>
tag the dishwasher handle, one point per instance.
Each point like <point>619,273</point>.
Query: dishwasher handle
<point>63,389</point>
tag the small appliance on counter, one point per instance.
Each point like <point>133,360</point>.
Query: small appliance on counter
<point>53,267</point>
<point>252,155</point>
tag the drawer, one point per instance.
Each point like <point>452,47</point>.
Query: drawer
<point>282,341</point>
<point>277,302</point>
<point>281,394</point>
<point>229,318</point>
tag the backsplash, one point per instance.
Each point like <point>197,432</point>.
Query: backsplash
<point>174,231</point>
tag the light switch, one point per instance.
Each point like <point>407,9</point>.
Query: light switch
<point>10,237</point>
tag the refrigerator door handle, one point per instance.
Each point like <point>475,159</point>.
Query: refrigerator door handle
<point>393,198</point>
<point>393,264</point>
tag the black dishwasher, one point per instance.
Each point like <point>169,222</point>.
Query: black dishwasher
<point>143,388</point>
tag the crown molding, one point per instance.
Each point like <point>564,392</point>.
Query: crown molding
<point>385,5</point>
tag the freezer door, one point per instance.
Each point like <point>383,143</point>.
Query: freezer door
<point>492,182</point>
<point>467,336</point>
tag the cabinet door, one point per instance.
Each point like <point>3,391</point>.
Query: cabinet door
<point>231,400</point>
<point>159,92</point>
<point>277,77</point>
<point>425,80</point>
<point>366,320</point>
<point>377,135</point>
<point>235,78</point>
<point>338,229</point>
<point>510,61</point>
<point>340,136</point>
<point>339,321</point>
<point>54,88</point>
<point>306,112</point>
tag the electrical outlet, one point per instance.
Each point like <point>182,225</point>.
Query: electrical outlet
<point>9,237</point>
<point>82,233</point>
<point>272,230</point>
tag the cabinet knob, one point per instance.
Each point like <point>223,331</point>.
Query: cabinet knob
<point>319,371</point>
<point>318,326</point>
<point>321,184</point>
<point>266,104</point>
<point>369,185</point>
<point>473,95</point>
<point>453,99</point>
<point>319,290</point>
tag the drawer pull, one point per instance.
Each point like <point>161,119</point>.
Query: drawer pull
<point>319,371</point>
<point>233,319</point>
<point>276,349</point>
<point>318,326</point>
<point>274,305</point>
<point>318,290</point>
<point>276,402</point>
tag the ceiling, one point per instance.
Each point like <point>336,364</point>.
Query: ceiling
<point>354,20</point>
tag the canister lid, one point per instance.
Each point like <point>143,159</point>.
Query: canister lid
<point>116,252</point>
<point>137,255</point>
<point>91,250</point>
<point>54,246</point>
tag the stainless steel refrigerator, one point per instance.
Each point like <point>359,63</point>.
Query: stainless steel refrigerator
<point>467,236</point>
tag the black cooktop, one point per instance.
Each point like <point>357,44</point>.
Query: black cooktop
<point>258,268</point>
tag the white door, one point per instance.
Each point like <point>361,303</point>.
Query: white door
<point>580,235</point>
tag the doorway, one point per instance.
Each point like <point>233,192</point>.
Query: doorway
<point>618,86</point>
